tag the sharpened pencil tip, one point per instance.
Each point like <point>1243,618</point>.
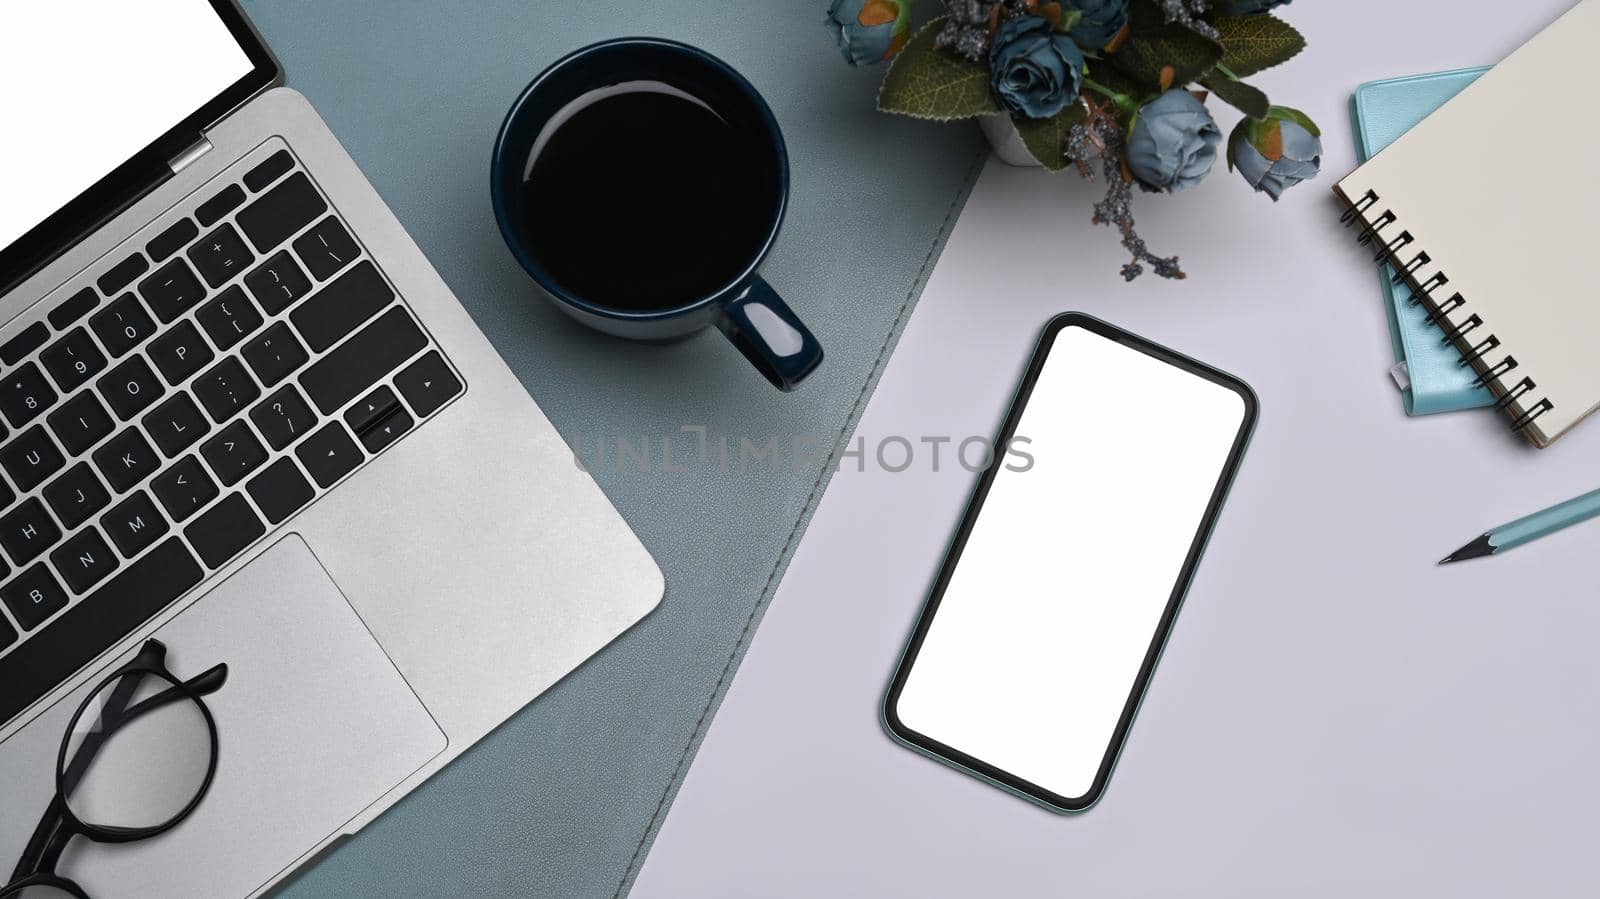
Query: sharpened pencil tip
<point>1478,547</point>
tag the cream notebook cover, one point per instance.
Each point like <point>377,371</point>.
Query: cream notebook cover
<point>1504,253</point>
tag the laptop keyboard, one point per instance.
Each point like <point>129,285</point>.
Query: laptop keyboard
<point>183,402</point>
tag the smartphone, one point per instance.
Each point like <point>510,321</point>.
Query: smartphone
<point>1044,624</point>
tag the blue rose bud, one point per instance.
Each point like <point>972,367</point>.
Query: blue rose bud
<point>870,31</point>
<point>1034,70</point>
<point>1173,143</point>
<point>1276,153</point>
<point>1246,7</point>
<point>1099,23</point>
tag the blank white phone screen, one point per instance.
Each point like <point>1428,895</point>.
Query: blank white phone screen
<point>1036,645</point>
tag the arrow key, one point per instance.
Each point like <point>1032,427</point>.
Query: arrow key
<point>329,454</point>
<point>380,434</point>
<point>427,384</point>
<point>371,409</point>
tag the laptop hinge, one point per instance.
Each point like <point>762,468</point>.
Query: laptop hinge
<point>182,160</point>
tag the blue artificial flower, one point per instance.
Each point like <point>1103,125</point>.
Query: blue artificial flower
<point>1034,70</point>
<point>1173,143</point>
<point>1246,7</point>
<point>1102,20</point>
<point>1276,153</point>
<point>870,31</point>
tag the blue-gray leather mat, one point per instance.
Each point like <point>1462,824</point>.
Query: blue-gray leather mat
<point>563,799</point>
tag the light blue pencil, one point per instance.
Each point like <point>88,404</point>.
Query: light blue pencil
<point>1525,530</point>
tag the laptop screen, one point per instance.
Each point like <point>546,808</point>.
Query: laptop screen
<point>88,85</point>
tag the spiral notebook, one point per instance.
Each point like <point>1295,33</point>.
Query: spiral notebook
<point>1495,234</point>
<point>1427,370</point>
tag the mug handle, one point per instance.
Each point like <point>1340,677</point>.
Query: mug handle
<point>767,332</point>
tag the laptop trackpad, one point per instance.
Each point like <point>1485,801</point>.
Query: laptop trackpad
<point>314,724</point>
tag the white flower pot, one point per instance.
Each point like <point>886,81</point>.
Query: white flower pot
<point>1005,140</point>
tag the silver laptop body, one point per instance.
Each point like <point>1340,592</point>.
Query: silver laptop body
<point>425,558</point>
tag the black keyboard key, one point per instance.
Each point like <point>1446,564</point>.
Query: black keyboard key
<point>176,424</point>
<point>215,209</point>
<point>278,283</point>
<point>171,240</point>
<point>172,290</point>
<point>76,495</point>
<point>427,384</point>
<point>84,560</point>
<point>387,430</point>
<point>80,423</point>
<point>8,635</point>
<point>275,354</point>
<point>130,388</point>
<point>281,212</point>
<point>280,491</point>
<point>30,458</point>
<point>224,530</point>
<point>184,488</point>
<point>134,524</point>
<point>73,308</point>
<point>233,453</point>
<point>126,459</point>
<point>6,496</point>
<point>361,361</point>
<point>283,417</point>
<point>27,531</point>
<point>225,389</point>
<point>229,317</point>
<point>326,248</point>
<point>329,454</point>
<point>73,359</point>
<point>24,394</point>
<point>220,256</point>
<point>122,274</point>
<point>269,171</point>
<point>33,595</point>
<point>340,307</point>
<point>17,348</point>
<point>99,620</point>
<point>180,352</point>
<point>122,325</point>
<point>371,409</point>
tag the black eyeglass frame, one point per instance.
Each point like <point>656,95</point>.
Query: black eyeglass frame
<point>59,824</point>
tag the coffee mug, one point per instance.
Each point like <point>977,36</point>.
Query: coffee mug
<point>641,182</point>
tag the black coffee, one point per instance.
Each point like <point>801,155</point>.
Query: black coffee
<point>649,201</point>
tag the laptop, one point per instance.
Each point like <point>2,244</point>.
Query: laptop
<point>242,414</point>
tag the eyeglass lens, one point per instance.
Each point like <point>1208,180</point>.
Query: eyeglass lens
<point>137,755</point>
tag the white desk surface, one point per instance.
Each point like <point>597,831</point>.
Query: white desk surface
<point>1334,715</point>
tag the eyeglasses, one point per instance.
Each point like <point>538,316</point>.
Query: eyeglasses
<point>136,760</point>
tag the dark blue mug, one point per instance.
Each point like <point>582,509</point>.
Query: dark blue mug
<point>745,309</point>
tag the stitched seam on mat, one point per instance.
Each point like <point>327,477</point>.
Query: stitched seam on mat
<point>770,587</point>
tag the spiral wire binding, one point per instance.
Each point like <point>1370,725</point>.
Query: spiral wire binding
<point>1439,311</point>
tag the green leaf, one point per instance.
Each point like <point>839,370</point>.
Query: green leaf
<point>1237,94</point>
<point>1257,42</point>
<point>1046,139</point>
<point>927,83</point>
<point>1189,53</point>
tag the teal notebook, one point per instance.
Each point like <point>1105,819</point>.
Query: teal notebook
<point>1427,369</point>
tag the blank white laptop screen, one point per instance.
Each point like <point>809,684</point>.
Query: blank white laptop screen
<point>87,84</point>
<point>1036,645</point>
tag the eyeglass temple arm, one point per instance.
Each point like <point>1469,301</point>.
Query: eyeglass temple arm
<point>50,824</point>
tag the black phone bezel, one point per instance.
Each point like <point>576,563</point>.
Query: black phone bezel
<point>143,171</point>
<point>971,764</point>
